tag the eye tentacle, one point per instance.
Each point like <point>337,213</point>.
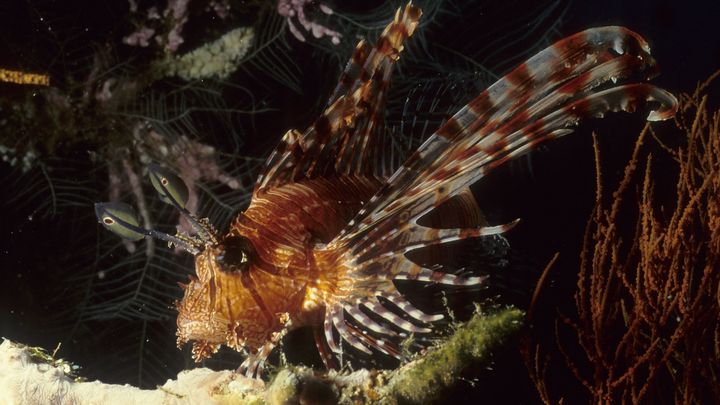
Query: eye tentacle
<point>120,219</point>
<point>173,191</point>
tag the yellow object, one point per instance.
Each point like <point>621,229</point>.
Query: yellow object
<point>14,76</point>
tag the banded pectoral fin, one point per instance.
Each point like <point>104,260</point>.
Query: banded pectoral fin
<point>375,315</point>
<point>377,322</point>
<point>542,99</point>
<point>254,364</point>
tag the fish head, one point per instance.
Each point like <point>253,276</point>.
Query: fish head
<point>223,303</point>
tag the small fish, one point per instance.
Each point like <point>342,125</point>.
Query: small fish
<point>328,229</point>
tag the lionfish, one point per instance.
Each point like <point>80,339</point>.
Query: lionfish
<point>329,230</point>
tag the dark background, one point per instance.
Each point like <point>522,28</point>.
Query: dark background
<point>553,191</point>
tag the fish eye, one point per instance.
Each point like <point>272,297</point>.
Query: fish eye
<point>236,254</point>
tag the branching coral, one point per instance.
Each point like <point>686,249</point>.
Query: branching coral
<point>175,15</point>
<point>648,297</point>
<point>296,8</point>
<point>217,59</point>
<point>418,381</point>
<point>195,162</point>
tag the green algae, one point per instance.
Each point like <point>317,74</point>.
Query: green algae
<point>473,342</point>
<point>419,381</point>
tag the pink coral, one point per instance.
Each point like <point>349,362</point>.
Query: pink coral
<point>177,9</point>
<point>195,162</point>
<point>221,8</point>
<point>140,37</point>
<point>176,13</point>
<point>296,8</point>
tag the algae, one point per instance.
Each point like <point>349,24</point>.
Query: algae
<point>418,381</point>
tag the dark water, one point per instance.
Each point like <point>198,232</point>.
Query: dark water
<point>66,280</point>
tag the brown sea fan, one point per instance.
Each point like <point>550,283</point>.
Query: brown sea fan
<point>648,297</point>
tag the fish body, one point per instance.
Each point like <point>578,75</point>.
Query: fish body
<point>291,275</point>
<point>329,227</point>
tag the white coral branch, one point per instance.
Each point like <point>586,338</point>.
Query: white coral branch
<point>24,379</point>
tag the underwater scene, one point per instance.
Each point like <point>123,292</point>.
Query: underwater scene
<point>395,202</point>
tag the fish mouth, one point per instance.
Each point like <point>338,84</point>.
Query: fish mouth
<point>195,331</point>
<point>198,330</point>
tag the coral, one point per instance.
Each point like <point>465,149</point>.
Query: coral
<point>195,162</point>
<point>296,8</point>
<point>167,28</point>
<point>175,16</point>
<point>418,381</point>
<point>177,10</point>
<point>29,376</point>
<point>217,59</point>
<point>648,295</point>
<point>140,38</point>
<point>473,342</point>
<point>221,8</point>
<point>14,76</point>
<point>10,155</point>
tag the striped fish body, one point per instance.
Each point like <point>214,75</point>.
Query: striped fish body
<point>289,277</point>
<point>329,228</point>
